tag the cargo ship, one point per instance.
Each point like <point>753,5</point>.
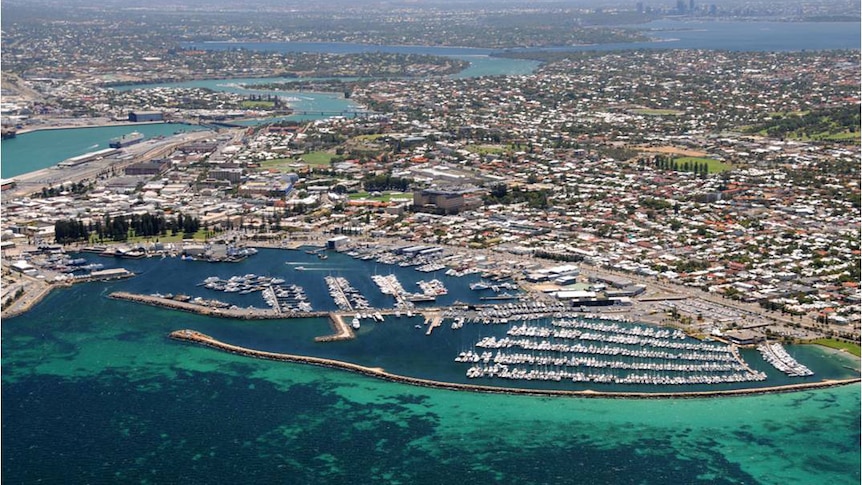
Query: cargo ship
<point>126,140</point>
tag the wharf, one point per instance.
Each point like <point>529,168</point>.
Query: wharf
<point>202,339</point>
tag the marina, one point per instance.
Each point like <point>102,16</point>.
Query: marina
<point>202,339</point>
<point>345,296</point>
<point>537,343</point>
<point>407,366</point>
<point>573,348</point>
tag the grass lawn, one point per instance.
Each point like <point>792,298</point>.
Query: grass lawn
<point>289,164</point>
<point>837,344</point>
<point>715,166</point>
<point>317,158</point>
<point>258,104</point>
<point>656,112</point>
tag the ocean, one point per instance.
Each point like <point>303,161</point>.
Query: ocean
<point>95,392</point>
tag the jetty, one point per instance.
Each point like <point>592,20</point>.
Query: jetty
<point>203,339</point>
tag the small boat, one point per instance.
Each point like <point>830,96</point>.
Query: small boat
<point>300,268</point>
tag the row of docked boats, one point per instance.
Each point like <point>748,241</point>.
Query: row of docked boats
<point>430,267</point>
<point>463,270</point>
<point>389,285</point>
<point>243,285</point>
<point>494,286</point>
<point>579,361</point>
<point>503,371</point>
<point>583,350</point>
<point>64,264</point>
<point>346,297</point>
<point>571,329</point>
<point>637,330</point>
<point>545,345</point>
<point>777,355</point>
<point>522,310</point>
<point>525,310</point>
<point>437,260</point>
<point>433,287</point>
<point>287,299</point>
<point>356,322</point>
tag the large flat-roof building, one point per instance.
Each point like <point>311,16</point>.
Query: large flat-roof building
<point>152,167</point>
<point>141,116</point>
<point>448,200</point>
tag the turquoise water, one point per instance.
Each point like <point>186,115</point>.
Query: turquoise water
<point>93,390</point>
<point>33,151</point>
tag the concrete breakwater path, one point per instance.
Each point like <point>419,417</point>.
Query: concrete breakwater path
<point>202,339</point>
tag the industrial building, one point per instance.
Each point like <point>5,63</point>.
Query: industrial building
<point>144,116</point>
<point>153,167</point>
<point>337,243</point>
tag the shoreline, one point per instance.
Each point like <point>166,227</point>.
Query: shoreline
<point>377,372</point>
<point>30,299</point>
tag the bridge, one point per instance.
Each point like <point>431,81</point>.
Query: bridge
<point>346,113</point>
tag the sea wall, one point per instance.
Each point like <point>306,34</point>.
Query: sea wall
<point>188,306</point>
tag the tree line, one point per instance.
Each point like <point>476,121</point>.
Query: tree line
<point>121,228</point>
<point>668,163</point>
<point>380,183</point>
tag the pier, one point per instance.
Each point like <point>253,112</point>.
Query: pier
<point>202,339</point>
